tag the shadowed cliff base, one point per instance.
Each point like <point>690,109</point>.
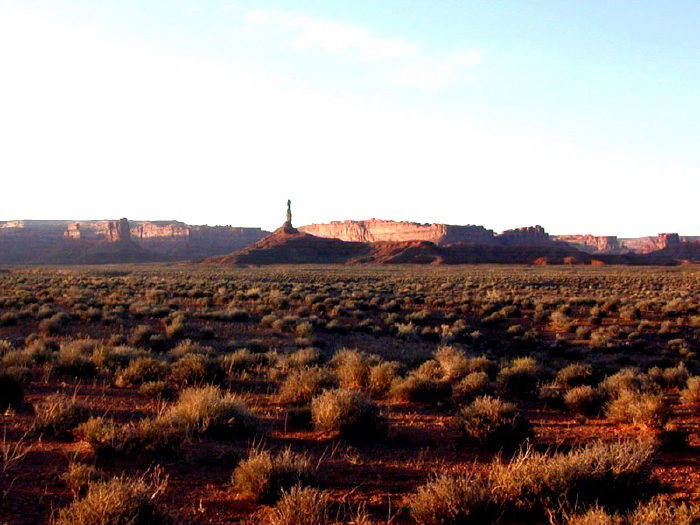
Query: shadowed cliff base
<point>287,245</point>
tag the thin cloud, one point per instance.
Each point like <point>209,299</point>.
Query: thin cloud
<point>434,73</point>
<point>307,32</point>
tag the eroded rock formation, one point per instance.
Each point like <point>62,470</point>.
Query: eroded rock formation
<point>592,243</point>
<point>375,230</point>
<point>27,242</point>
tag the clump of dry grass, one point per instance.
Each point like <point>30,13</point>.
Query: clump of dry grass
<point>302,385</point>
<point>537,487</point>
<point>300,506</point>
<point>347,412</point>
<point>58,414</point>
<point>492,423</point>
<point>264,477</point>
<point>119,501</point>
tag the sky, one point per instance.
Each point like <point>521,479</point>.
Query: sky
<point>580,116</point>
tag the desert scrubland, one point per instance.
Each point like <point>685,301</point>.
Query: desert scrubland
<point>366,395</point>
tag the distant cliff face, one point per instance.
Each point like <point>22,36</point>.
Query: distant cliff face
<point>375,230</point>
<point>27,242</point>
<point>528,236</point>
<point>593,243</point>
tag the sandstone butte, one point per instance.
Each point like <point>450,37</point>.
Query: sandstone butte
<point>374,230</point>
<point>370,241</point>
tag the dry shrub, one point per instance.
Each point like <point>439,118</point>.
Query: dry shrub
<point>207,410</point>
<point>537,488</point>
<point>660,512</point>
<point>104,435</point>
<point>58,414</point>
<point>492,423</point>
<point>645,409</point>
<point>691,393</point>
<point>381,376</point>
<point>455,500</point>
<point>352,368</point>
<point>300,506</point>
<point>595,516</point>
<point>575,374</point>
<point>473,385</point>
<point>194,369</point>
<point>161,436</point>
<point>585,400</point>
<point>520,379</point>
<point>302,358</point>
<point>612,475</point>
<point>628,380</point>
<point>420,390</point>
<point>347,412</point>
<point>141,370</point>
<point>158,389</point>
<point>79,476</point>
<point>302,385</point>
<point>119,501</point>
<point>453,362</point>
<point>239,361</point>
<point>264,477</point>
<point>430,369</point>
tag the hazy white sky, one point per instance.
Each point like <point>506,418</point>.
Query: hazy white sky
<point>581,116</point>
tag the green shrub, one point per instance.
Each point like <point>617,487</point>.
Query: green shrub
<point>58,414</point>
<point>347,412</point>
<point>119,501</point>
<point>492,423</point>
<point>302,385</point>
<point>264,477</point>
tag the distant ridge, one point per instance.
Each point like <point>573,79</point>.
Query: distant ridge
<point>288,245</point>
<point>344,242</point>
<point>117,241</point>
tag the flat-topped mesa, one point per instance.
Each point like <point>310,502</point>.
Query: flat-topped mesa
<point>527,236</point>
<point>651,244</point>
<point>592,243</point>
<point>376,230</point>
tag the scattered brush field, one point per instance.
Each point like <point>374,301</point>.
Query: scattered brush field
<point>350,395</point>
